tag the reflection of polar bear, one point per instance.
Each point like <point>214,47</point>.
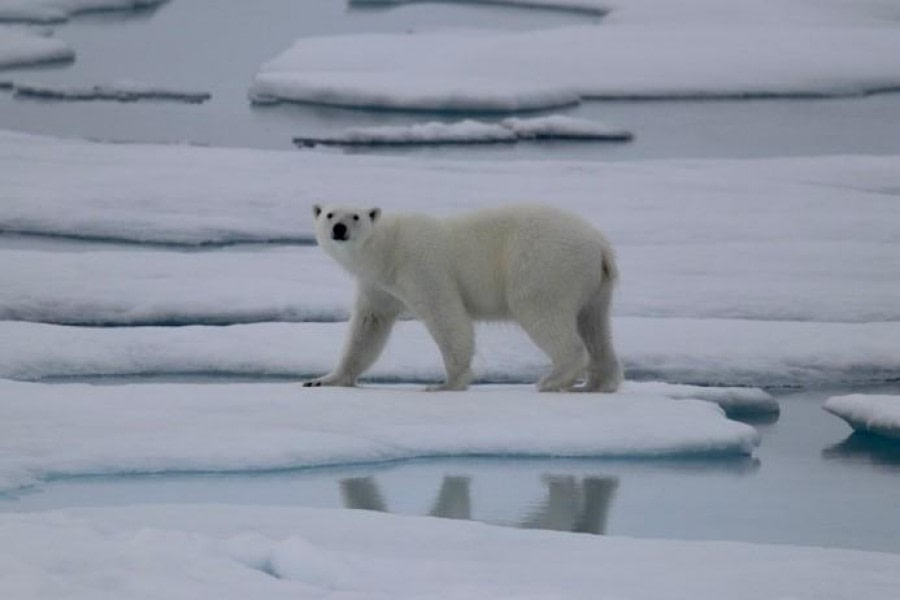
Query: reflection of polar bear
<point>549,270</point>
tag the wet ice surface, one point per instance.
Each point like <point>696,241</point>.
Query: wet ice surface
<point>810,483</point>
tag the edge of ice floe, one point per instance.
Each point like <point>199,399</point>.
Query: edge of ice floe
<point>120,91</point>
<point>585,7</point>
<point>281,426</point>
<point>60,12</point>
<point>28,49</point>
<point>468,131</point>
<point>868,413</point>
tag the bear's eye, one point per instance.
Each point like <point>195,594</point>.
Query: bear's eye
<point>329,216</point>
<point>356,217</point>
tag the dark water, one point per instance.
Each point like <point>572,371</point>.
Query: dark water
<point>810,483</point>
<point>218,45</point>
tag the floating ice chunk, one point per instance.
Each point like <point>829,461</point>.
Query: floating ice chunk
<point>376,88</point>
<point>554,127</point>
<point>497,71</point>
<point>55,11</point>
<point>121,91</point>
<point>199,551</point>
<point>182,427</point>
<point>561,127</point>
<point>432,133</point>
<point>701,351</point>
<point>868,413</point>
<point>20,48</point>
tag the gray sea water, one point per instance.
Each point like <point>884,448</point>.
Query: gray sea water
<point>217,46</point>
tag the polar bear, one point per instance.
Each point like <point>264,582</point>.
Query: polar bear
<point>548,270</point>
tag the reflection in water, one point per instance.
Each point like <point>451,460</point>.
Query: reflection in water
<point>573,504</point>
<point>866,448</point>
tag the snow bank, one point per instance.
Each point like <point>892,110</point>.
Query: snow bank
<point>879,414</point>
<point>120,91</point>
<point>701,351</point>
<point>55,430</point>
<point>507,131</point>
<point>55,11</point>
<point>231,552</point>
<point>495,71</point>
<point>20,48</point>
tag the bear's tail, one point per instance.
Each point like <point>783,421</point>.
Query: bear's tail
<point>609,266</point>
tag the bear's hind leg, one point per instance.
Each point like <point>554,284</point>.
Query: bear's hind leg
<point>555,332</point>
<point>594,327</point>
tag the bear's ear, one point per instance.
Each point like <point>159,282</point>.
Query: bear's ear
<point>317,210</point>
<point>374,213</point>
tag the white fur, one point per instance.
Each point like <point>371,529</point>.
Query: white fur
<point>546,269</point>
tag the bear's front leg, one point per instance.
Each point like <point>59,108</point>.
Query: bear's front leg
<point>452,329</point>
<point>373,318</point>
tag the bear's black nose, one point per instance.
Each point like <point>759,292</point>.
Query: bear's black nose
<point>339,232</point>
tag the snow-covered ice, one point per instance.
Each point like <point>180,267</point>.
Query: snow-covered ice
<point>117,286</point>
<point>430,133</point>
<point>163,287</point>
<point>562,127</point>
<point>507,131</point>
<point>727,239</point>
<point>750,272</point>
<point>491,71</point>
<point>77,429</point>
<point>868,413</point>
<point>121,91</point>
<point>55,11</point>
<point>703,351</point>
<point>20,48</point>
<point>231,552</point>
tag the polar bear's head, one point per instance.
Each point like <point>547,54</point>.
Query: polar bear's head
<point>344,226</point>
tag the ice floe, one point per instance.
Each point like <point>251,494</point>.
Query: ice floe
<point>239,552</point>
<point>237,427</point>
<point>100,285</point>
<point>701,351</point>
<point>364,87</point>
<point>55,11</point>
<point>775,239</point>
<point>507,131</point>
<point>120,91</point>
<point>160,287</point>
<point>20,48</point>
<point>481,71</point>
<point>868,413</point>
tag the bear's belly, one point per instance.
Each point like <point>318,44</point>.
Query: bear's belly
<point>486,304</point>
